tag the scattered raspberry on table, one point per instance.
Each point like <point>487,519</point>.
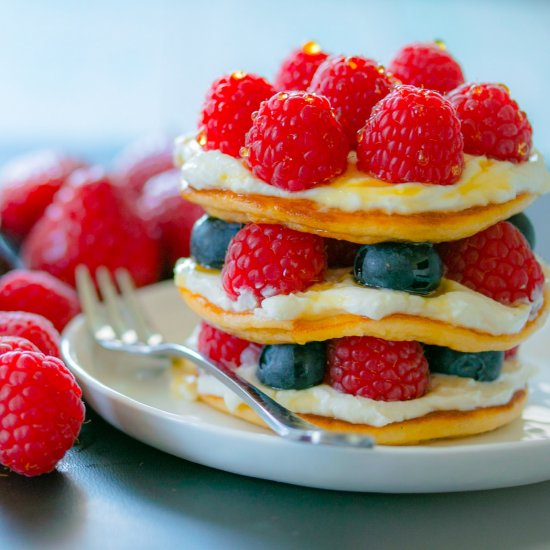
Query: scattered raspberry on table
<point>170,218</point>
<point>41,293</point>
<point>33,327</point>
<point>27,186</point>
<point>90,222</point>
<point>141,160</point>
<point>41,411</point>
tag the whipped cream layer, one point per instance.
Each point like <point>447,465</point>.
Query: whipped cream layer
<point>445,393</point>
<point>453,303</point>
<point>484,181</point>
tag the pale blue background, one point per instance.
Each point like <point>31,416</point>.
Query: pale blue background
<point>89,76</point>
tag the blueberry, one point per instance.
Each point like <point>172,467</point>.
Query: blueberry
<point>523,223</point>
<point>293,366</point>
<point>484,366</point>
<point>412,267</point>
<point>209,240</point>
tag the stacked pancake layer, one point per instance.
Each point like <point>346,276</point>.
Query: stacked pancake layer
<point>455,316</point>
<point>475,312</point>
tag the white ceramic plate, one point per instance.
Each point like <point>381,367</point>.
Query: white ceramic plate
<point>138,401</point>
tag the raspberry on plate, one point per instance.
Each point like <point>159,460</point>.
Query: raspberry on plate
<point>297,70</point>
<point>413,135</point>
<point>41,293</point>
<point>169,218</point>
<point>427,65</point>
<point>227,111</point>
<point>265,260</point>
<point>32,327</point>
<point>377,369</point>
<point>27,185</point>
<point>41,411</point>
<point>141,160</point>
<point>497,262</point>
<point>295,142</point>
<point>353,85</point>
<point>227,350</point>
<point>16,343</point>
<point>492,122</point>
<point>90,222</point>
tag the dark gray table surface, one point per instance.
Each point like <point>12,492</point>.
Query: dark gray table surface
<point>114,492</point>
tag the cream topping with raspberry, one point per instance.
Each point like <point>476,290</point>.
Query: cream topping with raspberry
<point>453,303</point>
<point>484,181</point>
<point>446,393</point>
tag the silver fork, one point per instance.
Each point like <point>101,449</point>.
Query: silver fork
<point>121,325</point>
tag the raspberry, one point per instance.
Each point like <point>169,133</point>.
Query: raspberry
<point>296,142</point>
<point>412,135</point>
<point>41,411</point>
<point>227,111</point>
<point>511,353</point>
<point>169,218</point>
<point>90,223</point>
<point>32,327</point>
<point>498,263</point>
<point>141,160</point>
<point>265,260</point>
<point>15,343</point>
<point>340,253</point>
<point>39,292</point>
<point>227,350</point>
<point>27,186</point>
<point>353,85</point>
<point>427,66</point>
<point>492,122</point>
<point>378,369</point>
<point>298,68</point>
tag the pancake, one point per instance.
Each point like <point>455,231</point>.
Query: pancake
<point>436,425</point>
<point>359,227</point>
<point>441,424</point>
<point>399,327</point>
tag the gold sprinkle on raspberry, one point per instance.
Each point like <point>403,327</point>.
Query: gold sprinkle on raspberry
<point>523,149</point>
<point>311,48</point>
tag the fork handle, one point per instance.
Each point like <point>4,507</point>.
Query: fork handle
<point>278,418</point>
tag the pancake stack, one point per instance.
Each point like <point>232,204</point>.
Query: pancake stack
<point>355,261</point>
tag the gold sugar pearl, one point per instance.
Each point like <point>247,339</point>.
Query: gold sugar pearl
<point>238,75</point>
<point>311,48</point>
<point>202,139</point>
